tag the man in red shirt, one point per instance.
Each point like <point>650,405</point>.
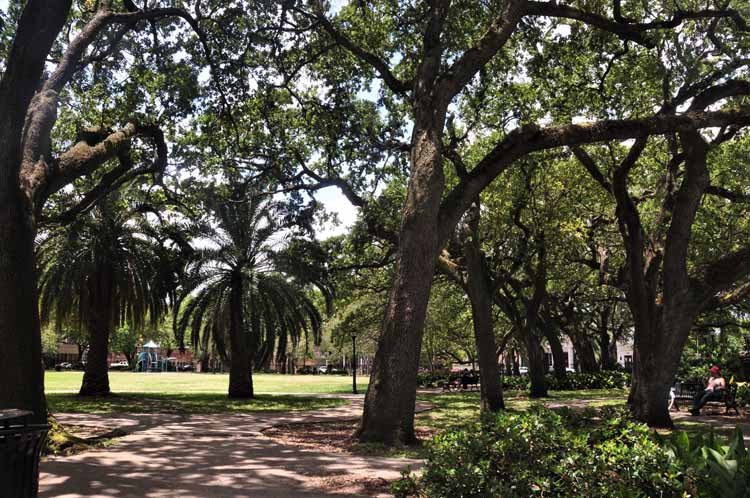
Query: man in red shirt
<point>714,391</point>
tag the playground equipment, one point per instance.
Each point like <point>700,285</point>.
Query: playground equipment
<point>149,360</point>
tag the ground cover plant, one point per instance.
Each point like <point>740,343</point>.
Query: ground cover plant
<point>564,453</point>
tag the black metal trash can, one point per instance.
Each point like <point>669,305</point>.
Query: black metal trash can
<point>20,448</point>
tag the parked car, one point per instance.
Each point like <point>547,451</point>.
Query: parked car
<point>119,365</point>
<point>523,370</point>
<point>323,369</point>
<point>186,367</point>
<point>66,365</point>
<point>306,370</point>
<point>78,365</point>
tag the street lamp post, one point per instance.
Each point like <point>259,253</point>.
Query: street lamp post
<point>354,363</point>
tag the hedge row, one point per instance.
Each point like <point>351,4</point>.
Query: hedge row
<point>607,379</point>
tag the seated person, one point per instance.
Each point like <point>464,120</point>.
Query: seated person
<point>465,378</point>
<point>714,391</point>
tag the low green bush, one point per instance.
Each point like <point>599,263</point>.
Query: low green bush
<point>743,395</point>
<point>427,379</point>
<point>543,453</point>
<point>606,379</point>
<point>516,383</point>
<point>709,467</point>
<point>566,454</point>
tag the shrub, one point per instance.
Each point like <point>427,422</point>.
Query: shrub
<point>743,395</point>
<point>710,468</point>
<point>606,379</point>
<point>427,379</point>
<point>543,453</point>
<point>516,383</point>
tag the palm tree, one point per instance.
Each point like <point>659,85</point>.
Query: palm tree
<point>98,273</point>
<point>236,295</point>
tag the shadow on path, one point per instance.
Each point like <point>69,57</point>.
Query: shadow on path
<point>212,456</point>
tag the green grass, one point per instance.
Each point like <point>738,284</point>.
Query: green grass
<point>457,409</point>
<point>183,383</point>
<point>184,403</point>
<point>453,409</point>
<point>194,393</point>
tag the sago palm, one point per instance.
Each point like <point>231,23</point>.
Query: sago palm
<point>235,296</point>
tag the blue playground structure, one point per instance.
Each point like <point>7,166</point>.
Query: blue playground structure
<point>149,361</point>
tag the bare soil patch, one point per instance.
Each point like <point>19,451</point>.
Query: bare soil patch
<point>338,437</point>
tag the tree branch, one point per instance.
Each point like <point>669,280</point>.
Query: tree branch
<point>463,70</point>
<point>631,31</point>
<point>380,66</point>
<point>528,139</point>
<point>737,197</point>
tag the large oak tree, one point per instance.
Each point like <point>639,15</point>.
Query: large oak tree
<point>430,55</point>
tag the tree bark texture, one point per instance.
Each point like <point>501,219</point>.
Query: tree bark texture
<point>584,348</point>
<point>479,290</point>
<point>21,368</point>
<point>100,324</point>
<point>388,416</point>
<point>537,367</point>
<point>559,360</point>
<point>240,376</point>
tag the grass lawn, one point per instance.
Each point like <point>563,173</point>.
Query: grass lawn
<point>453,409</point>
<point>183,383</point>
<point>184,403</point>
<point>194,393</point>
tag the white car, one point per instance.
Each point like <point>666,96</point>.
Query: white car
<point>323,369</point>
<point>523,370</point>
<point>120,365</point>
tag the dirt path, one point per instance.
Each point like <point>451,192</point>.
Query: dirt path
<point>214,456</point>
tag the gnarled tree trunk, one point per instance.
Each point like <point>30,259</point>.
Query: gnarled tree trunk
<point>585,351</point>
<point>21,368</point>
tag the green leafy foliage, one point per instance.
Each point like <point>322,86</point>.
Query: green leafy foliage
<point>606,379</point>
<point>711,467</point>
<point>543,453</point>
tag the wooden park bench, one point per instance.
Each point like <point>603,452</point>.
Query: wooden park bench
<point>687,391</point>
<point>455,385</point>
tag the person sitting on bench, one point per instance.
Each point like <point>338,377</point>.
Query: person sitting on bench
<point>714,391</point>
<point>465,379</point>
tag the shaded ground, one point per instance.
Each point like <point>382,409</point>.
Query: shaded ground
<point>271,454</point>
<point>457,408</point>
<point>186,403</point>
<point>214,456</point>
<point>718,421</point>
<point>449,409</point>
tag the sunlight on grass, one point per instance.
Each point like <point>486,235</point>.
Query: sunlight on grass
<point>184,403</point>
<point>176,383</point>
